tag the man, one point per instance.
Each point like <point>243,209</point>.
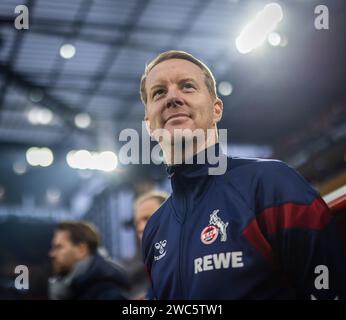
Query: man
<point>80,272</point>
<point>144,208</point>
<point>258,231</point>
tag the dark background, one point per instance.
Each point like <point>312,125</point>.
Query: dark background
<point>288,102</point>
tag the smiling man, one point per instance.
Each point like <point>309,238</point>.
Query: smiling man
<point>258,231</point>
<point>181,106</point>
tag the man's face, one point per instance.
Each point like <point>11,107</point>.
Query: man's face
<point>64,254</point>
<point>143,212</point>
<point>178,98</point>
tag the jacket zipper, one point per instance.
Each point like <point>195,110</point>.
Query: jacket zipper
<point>182,246</point>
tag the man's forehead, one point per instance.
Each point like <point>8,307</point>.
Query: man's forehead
<point>173,68</point>
<point>61,235</point>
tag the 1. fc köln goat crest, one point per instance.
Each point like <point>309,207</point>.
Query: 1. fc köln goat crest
<point>216,226</point>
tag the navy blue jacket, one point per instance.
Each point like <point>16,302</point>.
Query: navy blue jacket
<point>103,280</point>
<point>259,231</point>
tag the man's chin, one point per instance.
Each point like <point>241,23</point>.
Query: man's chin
<point>178,132</point>
<point>183,136</point>
<point>59,271</point>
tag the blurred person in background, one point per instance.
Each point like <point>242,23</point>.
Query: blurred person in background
<point>80,271</point>
<point>144,207</point>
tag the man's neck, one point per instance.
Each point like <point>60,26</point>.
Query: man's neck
<point>177,154</point>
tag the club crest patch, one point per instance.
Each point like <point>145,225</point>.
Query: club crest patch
<point>209,234</point>
<point>216,226</point>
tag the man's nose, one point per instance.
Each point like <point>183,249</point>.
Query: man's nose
<point>173,99</point>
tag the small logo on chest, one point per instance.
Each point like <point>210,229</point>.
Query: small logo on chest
<point>160,247</point>
<point>216,226</point>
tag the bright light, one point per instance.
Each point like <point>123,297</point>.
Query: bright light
<point>70,159</point>
<point>45,116</point>
<point>274,39</point>
<point>257,30</point>
<point>107,161</point>
<point>80,159</point>
<point>40,116</point>
<point>19,168</point>
<point>67,51</point>
<point>33,156</point>
<point>93,164</point>
<point>82,120</point>
<point>83,159</point>
<point>46,157</point>
<point>225,88</point>
<point>32,116</point>
<point>39,157</point>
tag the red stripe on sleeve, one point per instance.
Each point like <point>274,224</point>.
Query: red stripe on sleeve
<point>314,216</point>
<point>254,235</point>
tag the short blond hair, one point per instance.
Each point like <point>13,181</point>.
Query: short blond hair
<point>175,54</point>
<point>160,196</point>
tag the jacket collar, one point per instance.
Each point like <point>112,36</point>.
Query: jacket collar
<point>198,166</point>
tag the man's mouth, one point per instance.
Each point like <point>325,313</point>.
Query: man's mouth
<point>177,116</point>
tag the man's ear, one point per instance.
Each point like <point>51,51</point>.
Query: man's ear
<point>218,109</point>
<point>82,250</point>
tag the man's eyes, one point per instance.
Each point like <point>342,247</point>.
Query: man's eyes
<point>158,92</point>
<point>188,85</point>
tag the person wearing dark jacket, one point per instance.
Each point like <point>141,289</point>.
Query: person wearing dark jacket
<point>254,230</point>
<point>80,271</point>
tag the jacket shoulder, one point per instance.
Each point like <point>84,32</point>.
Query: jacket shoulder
<point>266,183</point>
<point>104,279</point>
